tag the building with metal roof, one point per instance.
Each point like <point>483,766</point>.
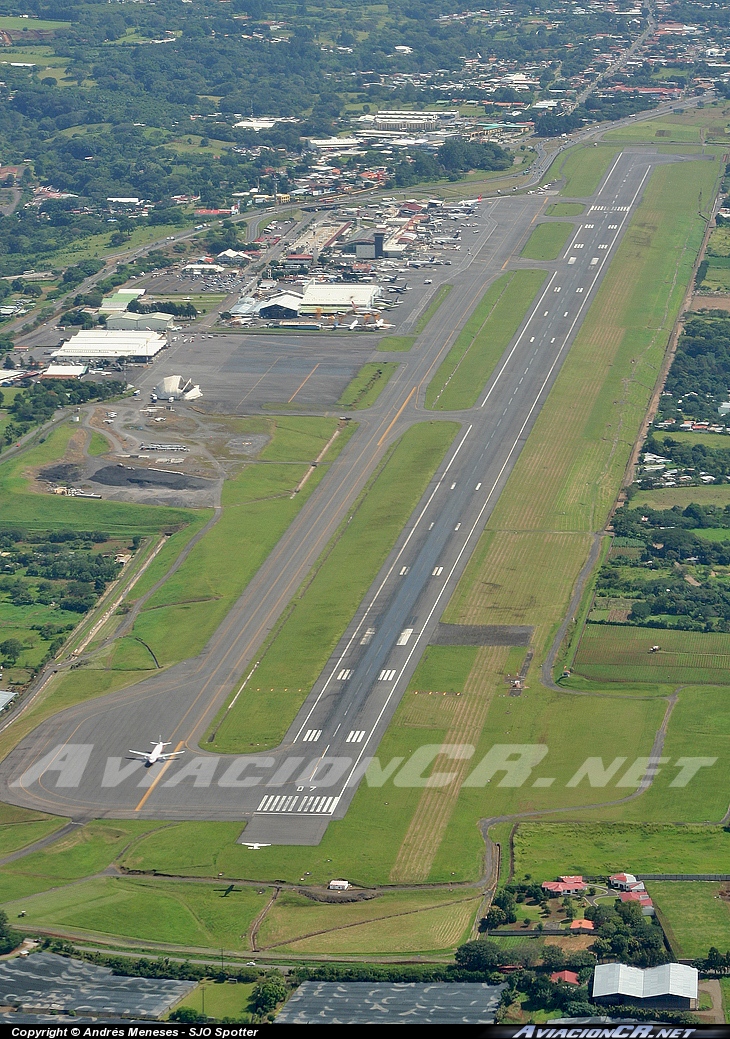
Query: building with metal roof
<point>369,1002</point>
<point>100,344</point>
<point>672,986</point>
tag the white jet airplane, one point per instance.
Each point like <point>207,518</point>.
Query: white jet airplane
<point>156,754</point>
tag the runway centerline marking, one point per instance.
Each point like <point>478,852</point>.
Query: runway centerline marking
<point>304,382</point>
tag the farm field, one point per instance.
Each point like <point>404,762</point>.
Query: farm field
<point>667,497</point>
<point>293,658</point>
<point>367,385</point>
<point>391,923</point>
<point>620,653</point>
<point>693,914</point>
<point>549,849</point>
<point>708,125</point>
<point>471,360</point>
<point>546,241</point>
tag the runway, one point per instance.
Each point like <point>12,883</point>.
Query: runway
<point>76,764</point>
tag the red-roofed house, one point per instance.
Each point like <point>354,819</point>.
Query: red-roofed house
<point>568,977</point>
<point>647,906</point>
<point>565,886</point>
<point>581,926</point>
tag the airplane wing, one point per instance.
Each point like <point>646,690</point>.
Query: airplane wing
<point>143,753</point>
<point>175,754</point>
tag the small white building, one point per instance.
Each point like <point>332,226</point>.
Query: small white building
<point>338,885</point>
<point>623,881</point>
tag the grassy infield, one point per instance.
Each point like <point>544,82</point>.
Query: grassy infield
<point>522,572</point>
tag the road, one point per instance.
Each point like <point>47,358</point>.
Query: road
<point>76,764</point>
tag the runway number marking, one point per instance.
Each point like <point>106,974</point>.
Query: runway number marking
<point>404,636</point>
<point>367,637</point>
<point>594,261</point>
<point>571,260</point>
<point>311,735</point>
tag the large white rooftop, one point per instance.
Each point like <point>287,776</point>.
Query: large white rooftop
<point>676,979</point>
<point>111,344</point>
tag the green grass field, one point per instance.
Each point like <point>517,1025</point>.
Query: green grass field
<point>221,999</point>
<point>565,209</point>
<point>189,915</point>
<point>482,341</point>
<point>547,241</point>
<point>296,654</point>
<point>367,385</point>
<point>412,922</point>
<point>583,168</point>
<point>620,653</point>
<point>19,828</point>
<point>549,849</point>
<point>389,344</point>
<point>257,508</point>
<point>695,915</point>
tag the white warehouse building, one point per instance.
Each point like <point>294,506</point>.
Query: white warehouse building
<point>339,298</point>
<point>97,344</point>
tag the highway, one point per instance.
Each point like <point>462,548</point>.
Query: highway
<point>76,764</point>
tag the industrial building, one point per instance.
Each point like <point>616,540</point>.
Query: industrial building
<point>338,299</point>
<point>407,1003</point>
<point>129,321</point>
<point>673,986</point>
<point>96,344</point>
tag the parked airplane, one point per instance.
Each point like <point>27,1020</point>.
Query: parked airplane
<point>255,846</point>
<point>156,754</point>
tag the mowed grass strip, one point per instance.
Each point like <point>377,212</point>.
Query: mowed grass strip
<point>547,241</point>
<point>565,209</point>
<point>321,611</point>
<point>391,923</point>
<point>697,916</point>
<point>621,653</point>
<point>583,168</point>
<point>482,341</point>
<point>20,827</point>
<point>367,385</point>
<point>598,849</point>
<point>192,915</point>
<point>258,507</point>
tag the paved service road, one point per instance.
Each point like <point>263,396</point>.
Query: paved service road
<point>77,764</point>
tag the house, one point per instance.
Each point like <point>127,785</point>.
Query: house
<point>565,886</point>
<point>338,885</point>
<point>581,927</point>
<point>567,977</point>
<point>623,881</point>
<point>673,986</point>
<point>647,906</point>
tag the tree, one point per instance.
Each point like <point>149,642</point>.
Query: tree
<point>188,1015</point>
<point>267,994</point>
<point>478,956</point>
<point>11,650</point>
<point>494,917</point>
